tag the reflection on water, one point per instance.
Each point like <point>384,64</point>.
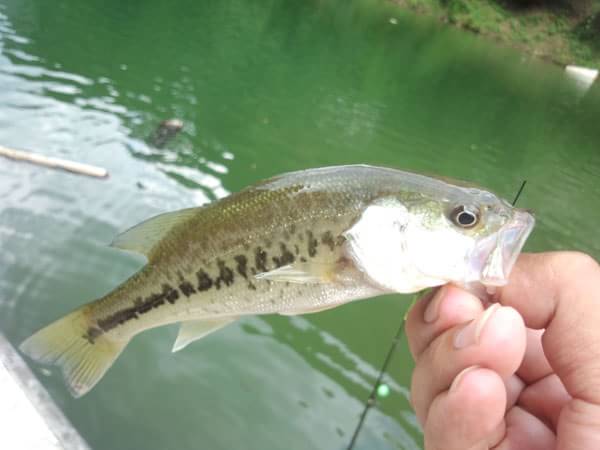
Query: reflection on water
<point>262,87</point>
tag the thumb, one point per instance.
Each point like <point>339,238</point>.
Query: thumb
<point>561,293</point>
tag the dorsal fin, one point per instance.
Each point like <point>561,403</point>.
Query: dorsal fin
<point>143,237</point>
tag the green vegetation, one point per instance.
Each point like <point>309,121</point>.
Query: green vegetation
<point>561,31</point>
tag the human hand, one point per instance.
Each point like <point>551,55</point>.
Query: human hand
<point>523,373</point>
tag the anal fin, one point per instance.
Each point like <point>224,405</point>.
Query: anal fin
<point>192,330</point>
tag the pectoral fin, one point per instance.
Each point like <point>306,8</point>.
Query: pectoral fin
<point>308,272</point>
<point>193,330</point>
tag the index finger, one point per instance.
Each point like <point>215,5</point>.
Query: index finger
<point>560,292</point>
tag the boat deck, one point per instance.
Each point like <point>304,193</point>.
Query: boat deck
<point>30,419</point>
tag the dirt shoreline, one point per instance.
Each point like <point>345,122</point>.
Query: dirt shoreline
<point>554,35</point>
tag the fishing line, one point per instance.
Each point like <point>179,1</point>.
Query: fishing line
<point>514,202</point>
<point>371,400</point>
<point>372,397</point>
<point>395,340</point>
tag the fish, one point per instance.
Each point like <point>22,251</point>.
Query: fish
<point>297,243</point>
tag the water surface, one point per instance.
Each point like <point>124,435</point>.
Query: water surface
<point>263,87</point>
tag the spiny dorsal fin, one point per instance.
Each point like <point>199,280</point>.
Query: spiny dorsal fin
<point>143,237</point>
<point>192,330</point>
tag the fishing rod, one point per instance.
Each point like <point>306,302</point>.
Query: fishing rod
<point>395,340</point>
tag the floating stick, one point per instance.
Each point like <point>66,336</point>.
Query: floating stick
<point>54,163</point>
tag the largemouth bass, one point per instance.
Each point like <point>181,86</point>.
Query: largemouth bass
<point>298,243</point>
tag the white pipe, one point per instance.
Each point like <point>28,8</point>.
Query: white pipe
<point>583,77</point>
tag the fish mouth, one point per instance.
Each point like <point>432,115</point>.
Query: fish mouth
<point>510,240</point>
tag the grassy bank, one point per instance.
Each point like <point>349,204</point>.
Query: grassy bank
<point>556,33</point>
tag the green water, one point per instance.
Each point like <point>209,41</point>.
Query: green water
<point>263,86</point>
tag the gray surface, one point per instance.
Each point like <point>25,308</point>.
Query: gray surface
<point>30,418</point>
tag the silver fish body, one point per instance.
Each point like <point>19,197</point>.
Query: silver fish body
<point>297,243</point>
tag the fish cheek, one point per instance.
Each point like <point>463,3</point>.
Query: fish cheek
<point>439,254</point>
<point>389,244</point>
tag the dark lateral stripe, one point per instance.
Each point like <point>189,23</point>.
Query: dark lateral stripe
<point>242,265</point>
<point>312,244</point>
<point>285,258</point>
<point>327,239</point>
<point>187,288</point>
<point>260,259</point>
<point>205,282</point>
<point>118,318</point>
<point>140,306</point>
<point>170,294</point>
<point>92,333</point>
<point>225,275</point>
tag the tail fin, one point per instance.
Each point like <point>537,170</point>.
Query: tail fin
<point>67,344</point>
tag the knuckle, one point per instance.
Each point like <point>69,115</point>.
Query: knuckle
<point>582,414</point>
<point>585,262</point>
<point>566,266</point>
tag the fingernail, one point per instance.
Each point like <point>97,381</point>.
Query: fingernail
<point>456,383</point>
<point>432,310</point>
<point>470,334</point>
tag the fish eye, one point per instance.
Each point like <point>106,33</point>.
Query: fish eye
<point>465,216</point>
